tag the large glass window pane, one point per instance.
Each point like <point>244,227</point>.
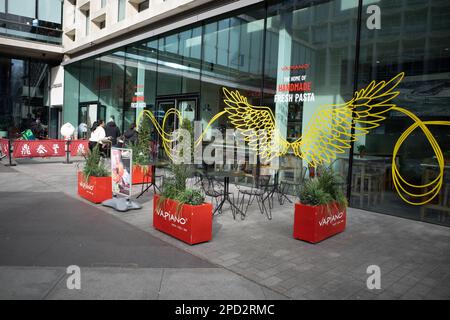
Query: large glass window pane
<point>309,65</point>
<point>71,95</point>
<point>50,10</point>
<point>111,85</point>
<point>2,5</point>
<point>25,8</point>
<point>415,40</point>
<point>121,10</point>
<point>141,66</point>
<point>179,62</point>
<point>232,51</point>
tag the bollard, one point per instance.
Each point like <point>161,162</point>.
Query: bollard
<point>67,152</point>
<point>10,164</point>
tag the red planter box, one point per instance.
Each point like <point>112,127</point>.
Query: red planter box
<point>193,224</point>
<point>96,189</point>
<point>142,174</point>
<point>316,223</point>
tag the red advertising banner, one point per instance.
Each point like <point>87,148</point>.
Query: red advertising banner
<point>4,147</point>
<point>38,148</point>
<point>79,147</point>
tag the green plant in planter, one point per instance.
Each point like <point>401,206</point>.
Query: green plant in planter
<point>175,189</point>
<point>94,166</point>
<point>361,149</point>
<point>323,190</point>
<point>141,150</point>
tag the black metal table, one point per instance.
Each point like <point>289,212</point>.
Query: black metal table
<point>226,189</point>
<point>277,187</point>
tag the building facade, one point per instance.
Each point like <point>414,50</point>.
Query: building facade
<point>30,54</point>
<point>293,56</point>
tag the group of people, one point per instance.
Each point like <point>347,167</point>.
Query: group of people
<point>108,135</point>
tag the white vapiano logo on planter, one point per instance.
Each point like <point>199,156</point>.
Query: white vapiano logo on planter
<point>172,218</point>
<point>334,219</point>
<point>86,186</point>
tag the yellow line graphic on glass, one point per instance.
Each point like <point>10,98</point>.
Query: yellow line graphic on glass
<point>328,132</point>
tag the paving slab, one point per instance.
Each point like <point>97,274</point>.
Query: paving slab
<point>28,283</point>
<point>215,284</point>
<point>111,284</point>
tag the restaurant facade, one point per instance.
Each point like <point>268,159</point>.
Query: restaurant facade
<point>295,57</point>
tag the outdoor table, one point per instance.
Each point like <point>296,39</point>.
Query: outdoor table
<point>277,187</point>
<point>226,175</point>
<point>151,183</point>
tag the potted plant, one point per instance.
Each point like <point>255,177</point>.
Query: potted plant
<point>94,181</point>
<point>142,170</point>
<point>321,211</point>
<point>181,212</point>
<point>361,150</point>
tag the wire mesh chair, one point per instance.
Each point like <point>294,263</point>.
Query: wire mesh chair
<point>292,187</point>
<point>259,191</point>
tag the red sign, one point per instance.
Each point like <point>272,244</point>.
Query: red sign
<point>316,223</point>
<point>4,147</point>
<point>79,147</point>
<point>192,224</point>
<point>38,148</point>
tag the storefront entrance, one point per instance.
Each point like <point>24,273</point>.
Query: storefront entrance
<point>88,113</point>
<point>187,105</point>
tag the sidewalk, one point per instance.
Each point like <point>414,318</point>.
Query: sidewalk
<point>414,257</point>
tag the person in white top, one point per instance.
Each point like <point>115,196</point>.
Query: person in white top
<point>98,134</point>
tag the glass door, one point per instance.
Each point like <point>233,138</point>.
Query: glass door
<point>186,105</point>
<point>88,114</point>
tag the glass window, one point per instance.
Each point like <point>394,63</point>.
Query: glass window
<point>141,65</point>
<point>103,3</point>
<point>121,10</point>
<point>24,8</point>
<point>309,67</point>
<point>71,94</point>
<point>423,55</point>
<point>179,62</point>
<point>88,22</point>
<point>2,5</point>
<point>232,51</point>
<point>50,10</point>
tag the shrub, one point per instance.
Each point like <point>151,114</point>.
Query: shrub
<point>324,189</point>
<point>94,166</point>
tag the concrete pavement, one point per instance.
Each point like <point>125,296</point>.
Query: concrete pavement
<point>414,257</point>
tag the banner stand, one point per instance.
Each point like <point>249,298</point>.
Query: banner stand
<point>10,164</point>
<point>121,172</point>
<point>68,142</point>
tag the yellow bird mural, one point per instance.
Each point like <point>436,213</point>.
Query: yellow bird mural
<point>329,132</point>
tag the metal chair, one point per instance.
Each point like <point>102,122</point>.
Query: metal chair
<point>214,189</point>
<point>290,187</point>
<point>260,191</point>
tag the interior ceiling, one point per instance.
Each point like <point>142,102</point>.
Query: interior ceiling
<point>29,53</point>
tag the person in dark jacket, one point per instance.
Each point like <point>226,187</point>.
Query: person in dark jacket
<point>113,131</point>
<point>37,129</point>
<point>130,136</point>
